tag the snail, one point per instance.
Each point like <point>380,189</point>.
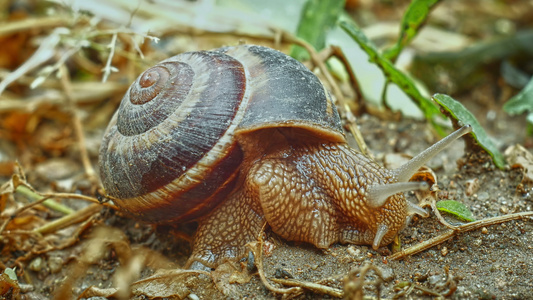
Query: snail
<point>241,136</point>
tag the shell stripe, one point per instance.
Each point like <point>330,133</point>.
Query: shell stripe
<point>193,202</point>
<point>200,176</point>
<point>194,133</point>
<point>274,103</point>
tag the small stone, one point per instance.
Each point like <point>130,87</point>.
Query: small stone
<point>495,267</point>
<point>193,297</point>
<point>354,252</point>
<point>483,196</point>
<point>444,251</point>
<point>37,264</point>
<point>55,263</point>
<point>504,210</point>
<point>435,279</point>
<point>472,186</point>
<point>387,273</point>
<point>484,230</point>
<point>283,274</point>
<point>452,185</point>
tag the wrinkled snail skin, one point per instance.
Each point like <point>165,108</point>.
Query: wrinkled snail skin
<point>242,136</point>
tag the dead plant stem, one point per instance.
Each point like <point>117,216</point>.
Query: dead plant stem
<point>76,122</point>
<point>459,229</point>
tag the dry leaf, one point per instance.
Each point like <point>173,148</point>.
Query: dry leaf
<point>519,157</point>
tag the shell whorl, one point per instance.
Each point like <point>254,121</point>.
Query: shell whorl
<point>172,136</point>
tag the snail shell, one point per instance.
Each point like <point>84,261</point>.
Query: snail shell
<point>170,152</point>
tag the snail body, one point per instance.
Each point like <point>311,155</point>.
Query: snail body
<point>240,136</point>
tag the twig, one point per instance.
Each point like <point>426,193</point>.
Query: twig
<point>338,53</point>
<point>48,196</point>
<point>315,287</point>
<point>441,219</point>
<point>63,195</point>
<point>317,61</point>
<point>40,56</point>
<point>108,67</point>
<point>31,23</point>
<point>355,282</point>
<point>257,249</point>
<point>18,211</point>
<point>407,290</point>
<point>48,202</point>
<point>76,122</point>
<point>459,229</point>
<point>67,196</point>
<point>85,92</point>
<point>70,219</point>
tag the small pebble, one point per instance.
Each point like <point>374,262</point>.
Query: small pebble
<point>484,230</point>
<point>504,210</point>
<point>483,196</point>
<point>55,263</point>
<point>387,273</point>
<point>283,274</point>
<point>354,252</point>
<point>472,186</point>
<point>37,264</point>
<point>444,251</point>
<point>193,297</point>
<point>435,279</point>
<point>477,242</point>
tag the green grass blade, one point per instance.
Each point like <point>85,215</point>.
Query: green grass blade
<point>412,20</point>
<point>394,75</point>
<point>318,17</point>
<point>521,102</point>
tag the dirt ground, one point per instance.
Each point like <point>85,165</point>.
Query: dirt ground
<point>101,254</point>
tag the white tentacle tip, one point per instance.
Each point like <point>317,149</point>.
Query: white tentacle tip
<point>466,128</point>
<point>378,194</point>
<point>413,209</point>
<point>380,233</point>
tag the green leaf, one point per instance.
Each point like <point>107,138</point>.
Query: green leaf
<point>412,20</point>
<point>521,102</point>
<point>394,75</point>
<point>460,113</point>
<point>457,209</point>
<point>11,273</point>
<point>318,17</point>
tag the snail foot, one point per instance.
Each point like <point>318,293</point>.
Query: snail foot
<point>223,234</point>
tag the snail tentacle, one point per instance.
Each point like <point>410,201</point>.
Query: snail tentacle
<point>404,173</point>
<point>378,194</point>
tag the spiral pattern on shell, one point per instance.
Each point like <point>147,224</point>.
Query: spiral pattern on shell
<point>171,124</point>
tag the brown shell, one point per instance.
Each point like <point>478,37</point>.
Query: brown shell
<point>169,152</point>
